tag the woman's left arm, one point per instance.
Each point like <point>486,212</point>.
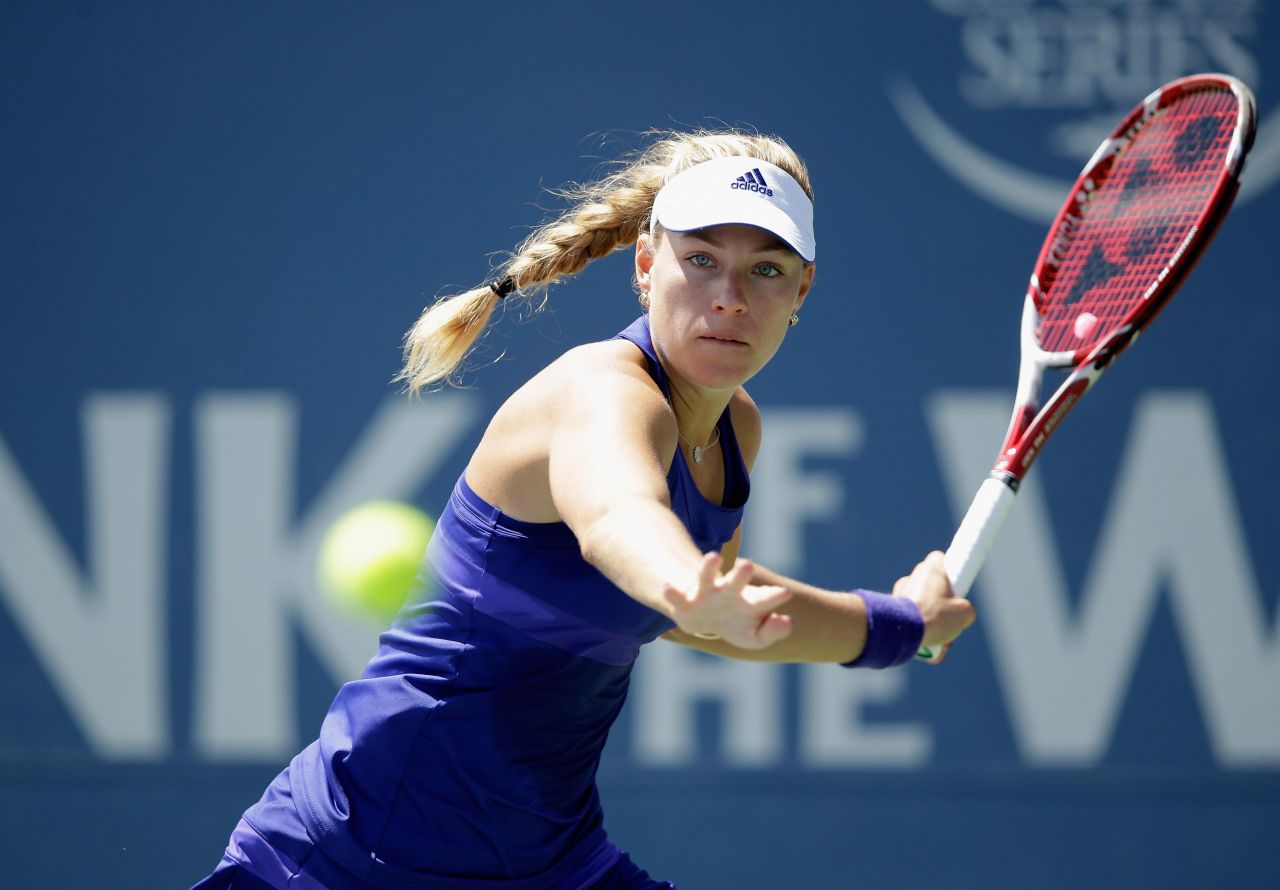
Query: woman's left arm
<point>828,625</point>
<point>831,626</point>
<point>825,625</point>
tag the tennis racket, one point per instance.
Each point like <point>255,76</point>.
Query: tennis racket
<point>1139,216</point>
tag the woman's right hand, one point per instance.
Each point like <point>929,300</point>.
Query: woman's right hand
<point>728,607</point>
<point>945,614</point>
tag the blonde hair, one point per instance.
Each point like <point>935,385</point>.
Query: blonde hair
<point>603,216</point>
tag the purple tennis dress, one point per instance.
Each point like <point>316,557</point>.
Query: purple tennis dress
<point>465,756</point>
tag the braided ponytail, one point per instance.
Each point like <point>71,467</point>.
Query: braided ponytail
<point>603,216</point>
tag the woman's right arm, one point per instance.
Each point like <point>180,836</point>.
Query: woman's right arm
<point>611,437</point>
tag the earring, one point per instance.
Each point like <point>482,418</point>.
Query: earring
<point>793,321</point>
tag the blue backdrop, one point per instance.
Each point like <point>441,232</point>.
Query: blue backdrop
<point>221,218</point>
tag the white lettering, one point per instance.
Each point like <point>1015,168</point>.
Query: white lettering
<point>257,566</point>
<point>1171,525</point>
<point>671,680</point>
<point>783,496</point>
<point>832,735</point>
<point>100,634</point>
<point>1088,54</point>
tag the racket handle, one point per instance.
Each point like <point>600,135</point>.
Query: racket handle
<point>974,537</point>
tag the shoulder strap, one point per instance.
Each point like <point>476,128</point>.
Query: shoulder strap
<point>638,333</point>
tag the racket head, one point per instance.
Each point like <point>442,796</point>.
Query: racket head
<point>1139,215</point>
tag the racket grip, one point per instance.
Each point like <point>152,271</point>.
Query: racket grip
<point>974,537</point>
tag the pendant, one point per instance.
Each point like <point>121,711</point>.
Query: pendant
<point>697,454</point>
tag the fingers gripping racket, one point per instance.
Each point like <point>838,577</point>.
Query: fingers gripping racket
<point>1142,211</point>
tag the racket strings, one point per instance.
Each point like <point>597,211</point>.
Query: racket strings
<point>1133,216</point>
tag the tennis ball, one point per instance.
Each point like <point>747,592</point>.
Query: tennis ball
<point>369,558</point>
<point>1085,323</point>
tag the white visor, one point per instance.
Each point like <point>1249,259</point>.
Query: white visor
<point>739,190</point>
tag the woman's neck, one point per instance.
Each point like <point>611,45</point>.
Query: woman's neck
<point>697,410</point>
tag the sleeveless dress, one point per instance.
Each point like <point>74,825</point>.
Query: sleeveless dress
<point>465,756</point>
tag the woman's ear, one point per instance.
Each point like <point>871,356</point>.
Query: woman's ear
<point>805,284</point>
<point>644,261</point>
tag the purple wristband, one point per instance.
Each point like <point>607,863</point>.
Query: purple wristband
<point>894,631</point>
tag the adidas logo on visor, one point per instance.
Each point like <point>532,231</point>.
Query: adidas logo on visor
<point>752,181</point>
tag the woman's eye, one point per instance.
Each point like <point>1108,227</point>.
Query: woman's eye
<point>700,259</point>
<point>768,270</point>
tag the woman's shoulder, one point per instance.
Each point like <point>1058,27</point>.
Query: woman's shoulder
<point>597,386</point>
<point>607,364</point>
<point>617,353</point>
<point>591,378</point>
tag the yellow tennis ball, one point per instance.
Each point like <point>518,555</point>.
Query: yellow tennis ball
<point>369,558</point>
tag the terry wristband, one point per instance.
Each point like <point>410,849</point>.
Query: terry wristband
<point>894,631</point>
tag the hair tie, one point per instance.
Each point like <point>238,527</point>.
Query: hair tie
<point>502,288</point>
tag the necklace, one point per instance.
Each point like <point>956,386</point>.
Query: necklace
<point>698,449</point>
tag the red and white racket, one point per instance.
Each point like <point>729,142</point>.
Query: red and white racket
<point>1142,211</point>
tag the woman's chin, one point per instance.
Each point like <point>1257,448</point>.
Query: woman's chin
<point>720,375</point>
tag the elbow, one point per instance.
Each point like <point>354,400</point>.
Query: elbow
<point>593,541</point>
<point>607,530</point>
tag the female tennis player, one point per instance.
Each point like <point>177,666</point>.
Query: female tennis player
<point>602,509</point>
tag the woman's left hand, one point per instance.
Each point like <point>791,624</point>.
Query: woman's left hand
<point>945,614</point>
<point>727,607</point>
